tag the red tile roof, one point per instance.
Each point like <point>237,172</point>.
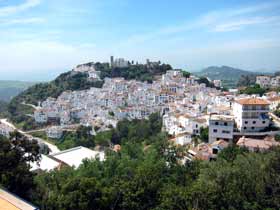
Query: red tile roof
<point>252,101</point>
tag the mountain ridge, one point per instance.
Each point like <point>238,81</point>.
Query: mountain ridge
<point>228,75</point>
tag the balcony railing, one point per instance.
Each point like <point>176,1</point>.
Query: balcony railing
<point>255,109</point>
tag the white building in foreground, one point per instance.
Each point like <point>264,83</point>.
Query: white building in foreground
<point>45,164</point>
<point>251,114</point>
<point>75,156</point>
<point>71,157</point>
<point>220,128</point>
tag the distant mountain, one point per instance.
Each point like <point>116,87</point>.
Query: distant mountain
<point>10,89</point>
<point>229,75</point>
<point>224,73</point>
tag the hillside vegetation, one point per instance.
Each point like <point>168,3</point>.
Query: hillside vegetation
<point>139,72</point>
<point>229,76</point>
<point>145,174</point>
<point>9,89</point>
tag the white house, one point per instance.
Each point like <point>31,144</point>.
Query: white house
<point>251,114</point>
<point>54,132</point>
<point>182,139</point>
<point>275,81</point>
<point>263,81</point>
<point>5,130</point>
<point>217,83</point>
<point>95,75</point>
<point>220,128</point>
<point>274,102</point>
<point>40,116</point>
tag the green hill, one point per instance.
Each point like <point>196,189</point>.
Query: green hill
<point>229,75</point>
<point>9,89</point>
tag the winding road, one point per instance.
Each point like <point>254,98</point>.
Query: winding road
<point>53,148</point>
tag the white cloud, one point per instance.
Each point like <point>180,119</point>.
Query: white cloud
<point>211,20</point>
<point>9,10</point>
<point>37,55</point>
<point>34,20</point>
<point>239,24</point>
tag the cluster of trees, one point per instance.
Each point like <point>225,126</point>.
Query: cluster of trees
<point>139,72</point>
<point>82,137</point>
<point>135,131</point>
<point>15,153</point>
<point>145,174</point>
<point>255,89</point>
<point>3,109</point>
<point>205,81</point>
<point>140,178</point>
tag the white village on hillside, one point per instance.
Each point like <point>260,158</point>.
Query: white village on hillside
<point>185,105</point>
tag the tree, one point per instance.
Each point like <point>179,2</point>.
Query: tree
<point>205,81</point>
<point>204,134</point>
<point>15,155</point>
<point>256,89</point>
<point>186,74</point>
<point>230,153</point>
<point>246,182</point>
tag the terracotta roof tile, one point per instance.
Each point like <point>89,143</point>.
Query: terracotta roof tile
<point>252,101</point>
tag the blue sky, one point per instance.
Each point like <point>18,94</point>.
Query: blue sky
<point>41,38</point>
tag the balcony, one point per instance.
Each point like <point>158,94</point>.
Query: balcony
<point>260,117</point>
<point>256,110</point>
<point>249,109</point>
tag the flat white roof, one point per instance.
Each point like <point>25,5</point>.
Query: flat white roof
<point>75,156</point>
<point>221,117</point>
<point>46,164</point>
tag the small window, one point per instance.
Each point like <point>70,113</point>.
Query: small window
<point>263,122</point>
<point>216,123</point>
<point>246,122</point>
<point>215,151</point>
<point>253,128</point>
<point>254,122</point>
<point>225,124</point>
<point>215,130</point>
<point>245,128</point>
<point>227,132</point>
<point>196,126</point>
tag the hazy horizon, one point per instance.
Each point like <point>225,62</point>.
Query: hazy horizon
<point>46,76</point>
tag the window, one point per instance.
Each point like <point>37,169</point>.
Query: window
<point>254,122</point>
<point>196,126</point>
<point>245,128</point>
<point>253,128</point>
<point>216,123</point>
<point>225,124</point>
<point>215,130</point>
<point>246,122</point>
<point>215,151</point>
<point>263,122</point>
<point>226,132</point>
